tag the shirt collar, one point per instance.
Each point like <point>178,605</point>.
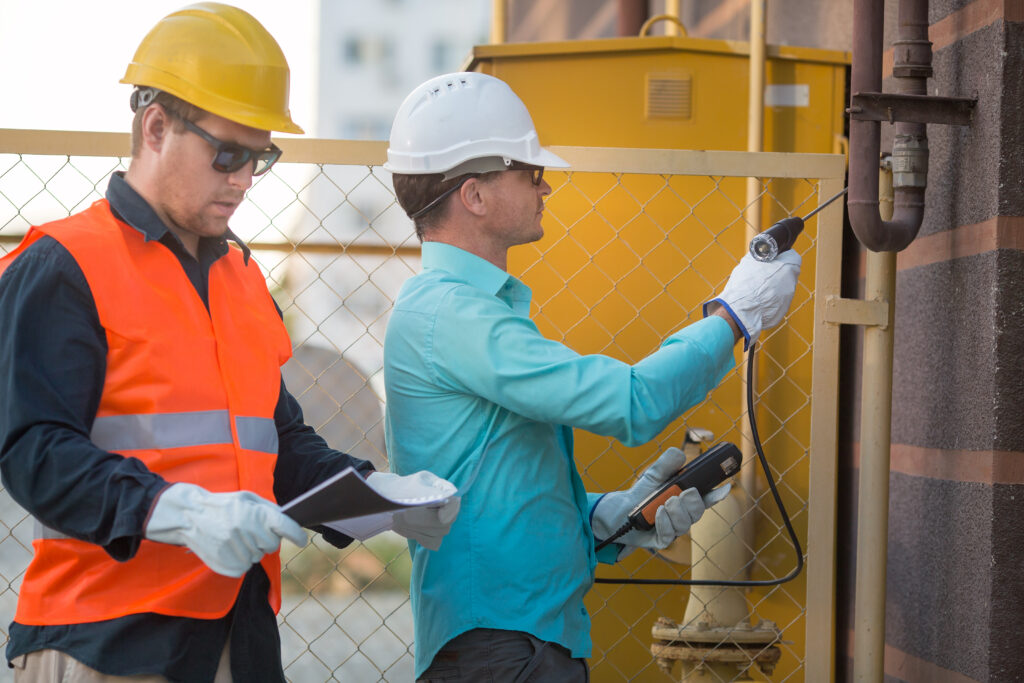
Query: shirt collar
<point>476,271</point>
<point>129,207</point>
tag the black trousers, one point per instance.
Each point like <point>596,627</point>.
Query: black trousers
<point>492,655</point>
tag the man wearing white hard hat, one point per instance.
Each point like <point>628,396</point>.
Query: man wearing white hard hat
<point>476,395</point>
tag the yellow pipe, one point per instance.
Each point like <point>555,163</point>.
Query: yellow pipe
<point>755,109</point>
<point>723,556</point>
<point>755,143</point>
<point>873,487</point>
<point>672,9</point>
<point>499,21</point>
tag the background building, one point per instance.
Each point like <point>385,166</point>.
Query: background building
<point>373,53</point>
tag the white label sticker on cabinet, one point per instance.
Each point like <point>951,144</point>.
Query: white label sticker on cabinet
<point>787,95</point>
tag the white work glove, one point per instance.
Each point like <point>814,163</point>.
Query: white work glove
<point>672,520</point>
<point>426,524</point>
<point>758,294</point>
<point>229,532</point>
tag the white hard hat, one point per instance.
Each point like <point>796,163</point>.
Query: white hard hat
<point>464,117</point>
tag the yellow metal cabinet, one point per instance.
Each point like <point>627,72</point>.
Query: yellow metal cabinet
<point>671,92</point>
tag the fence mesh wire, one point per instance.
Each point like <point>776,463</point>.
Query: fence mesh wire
<point>626,260</point>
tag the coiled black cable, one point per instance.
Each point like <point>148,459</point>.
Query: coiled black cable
<point>775,494</point>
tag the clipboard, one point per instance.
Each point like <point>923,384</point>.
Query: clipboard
<point>346,503</point>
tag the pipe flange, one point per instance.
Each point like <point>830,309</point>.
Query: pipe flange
<point>743,645</point>
<point>742,658</point>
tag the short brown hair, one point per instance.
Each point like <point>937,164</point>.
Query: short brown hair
<point>178,108</point>
<point>414,192</point>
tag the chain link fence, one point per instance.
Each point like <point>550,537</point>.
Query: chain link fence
<point>634,243</point>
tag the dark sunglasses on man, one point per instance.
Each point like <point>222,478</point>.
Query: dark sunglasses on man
<point>536,172</point>
<point>536,175</point>
<point>231,156</point>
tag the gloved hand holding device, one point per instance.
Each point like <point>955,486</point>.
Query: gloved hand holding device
<point>427,525</point>
<point>229,532</point>
<point>758,293</point>
<point>672,520</point>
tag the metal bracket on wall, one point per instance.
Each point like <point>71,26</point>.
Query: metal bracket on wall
<point>839,311</point>
<point>876,106</point>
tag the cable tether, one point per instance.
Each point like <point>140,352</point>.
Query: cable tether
<point>775,494</point>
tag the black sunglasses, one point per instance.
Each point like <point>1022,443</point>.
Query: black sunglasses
<point>231,156</point>
<point>536,172</point>
<point>536,175</point>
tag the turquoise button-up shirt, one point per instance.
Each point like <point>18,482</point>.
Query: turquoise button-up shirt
<point>476,395</point>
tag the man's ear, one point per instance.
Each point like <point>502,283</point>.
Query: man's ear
<point>473,196</point>
<point>156,124</point>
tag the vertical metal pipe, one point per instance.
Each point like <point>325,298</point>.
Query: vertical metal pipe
<point>721,555</point>
<point>912,66</point>
<point>672,8</point>
<point>632,15</point>
<point>752,215</point>
<point>755,110</point>
<point>873,489</point>
<point>499,21</point>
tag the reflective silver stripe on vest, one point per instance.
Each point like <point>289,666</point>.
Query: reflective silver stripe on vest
<point>40,531</point>
<point>161,430</point>
<point>154,431</point>
<point>257,434</point>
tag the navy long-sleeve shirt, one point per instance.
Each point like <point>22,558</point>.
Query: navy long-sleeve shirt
<point>52,366</point>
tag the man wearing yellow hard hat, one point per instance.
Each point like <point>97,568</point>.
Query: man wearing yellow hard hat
<point>144,422</point>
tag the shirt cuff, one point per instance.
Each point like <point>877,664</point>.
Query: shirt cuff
<point>610,553</point>
<point>735,319</point>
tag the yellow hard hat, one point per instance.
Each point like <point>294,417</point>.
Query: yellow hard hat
<point>218,58</point>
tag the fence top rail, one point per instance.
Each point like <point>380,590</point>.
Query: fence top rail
<point>374,152</point>
<point>700,162</point>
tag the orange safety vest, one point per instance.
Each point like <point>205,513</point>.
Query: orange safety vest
<point>189,392</point>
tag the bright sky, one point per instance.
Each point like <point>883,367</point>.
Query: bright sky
<point>62,59</point>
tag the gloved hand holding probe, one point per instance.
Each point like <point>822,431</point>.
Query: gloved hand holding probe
<point>758,294</point>
<point>672,520</point>
<point>229,532</point>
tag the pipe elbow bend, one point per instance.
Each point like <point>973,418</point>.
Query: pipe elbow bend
<point>878,235</point>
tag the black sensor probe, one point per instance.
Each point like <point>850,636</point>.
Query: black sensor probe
<point>781,236</point>
<point>703,473</point>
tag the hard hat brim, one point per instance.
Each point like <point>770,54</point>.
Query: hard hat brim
<point>549,159</point>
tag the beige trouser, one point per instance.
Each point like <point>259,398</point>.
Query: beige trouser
<point>53,666</point>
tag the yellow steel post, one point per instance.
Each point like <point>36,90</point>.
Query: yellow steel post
<point>873,494</point>
<point>875,444</point>
<point>821,503</point>
<point>499,21</point>
<point>672,8</point>
<point>755,110</point>
<point>752,216</point>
